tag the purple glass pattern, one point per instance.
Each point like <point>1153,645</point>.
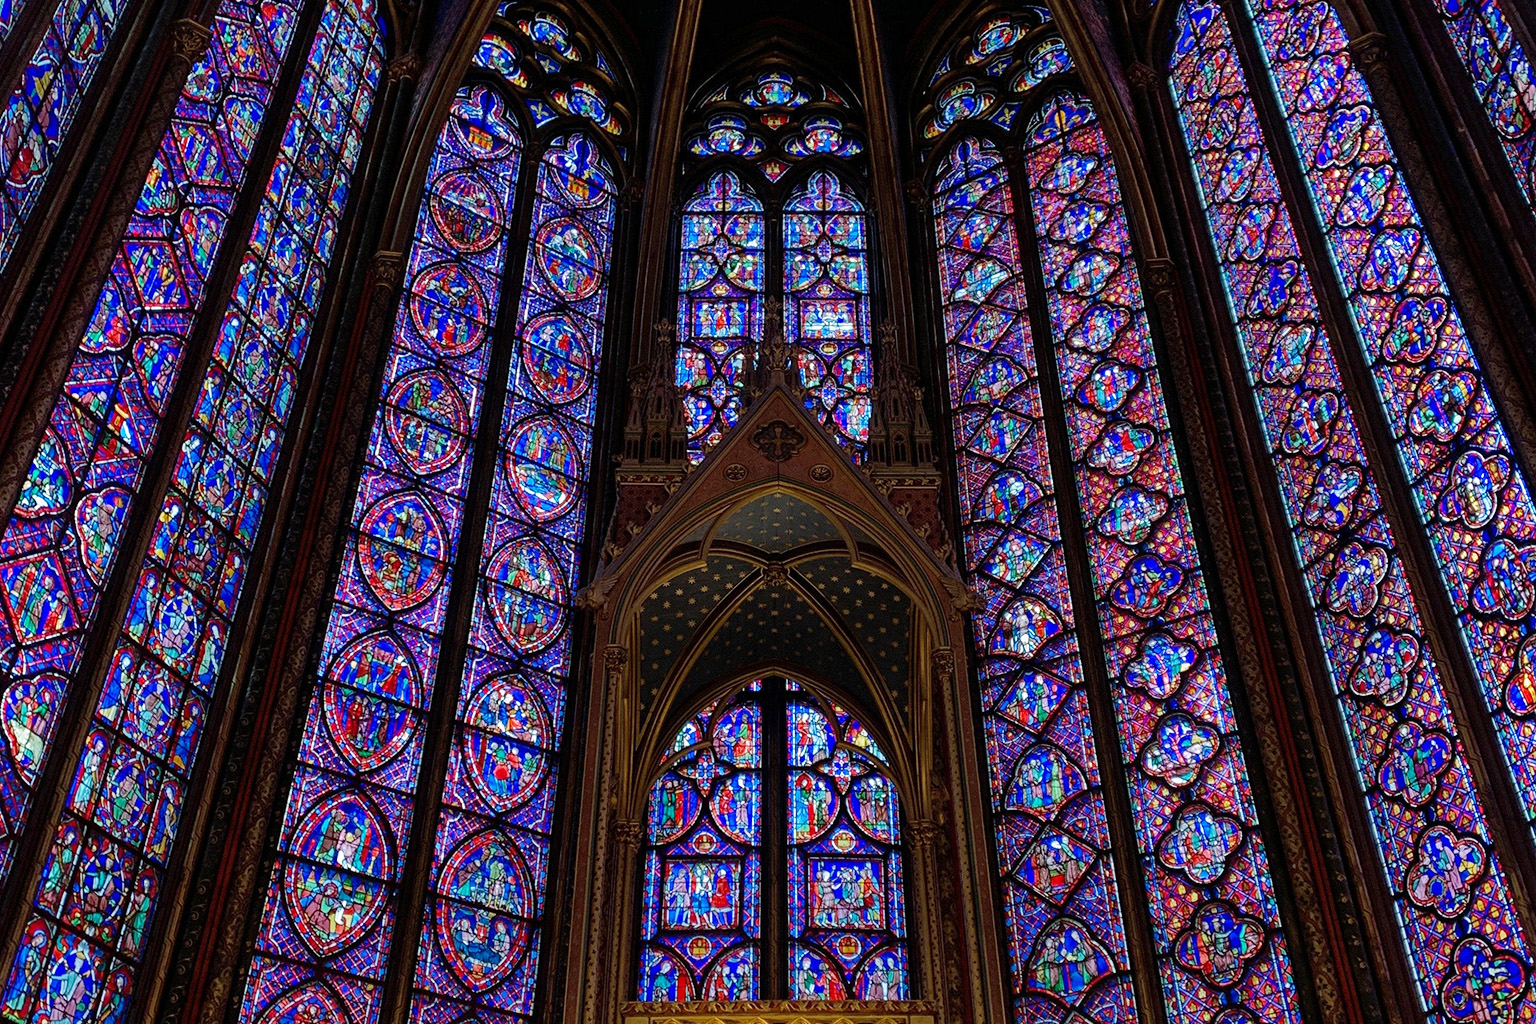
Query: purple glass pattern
<point>1501,75</point>
<point>99,891</point>
<point>719,305</point>
<point>826,307</point>
<point>847,914</point>
<point>1471,493</point>
<point>1066,939</point>
<point>480,937</point>
<point>39,113</point>
<point>1386,680</point>
<point>1215,921</point>
<point>700,920</point>
<point>59,546</point>
<point>329,916</point>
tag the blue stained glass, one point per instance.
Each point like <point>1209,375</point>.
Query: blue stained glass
<point>1060,894</point>
<point>10,10</point>
<point>847,912</point>
<point>105,869</point>
<point>480,942</point>
<point>329,915</point>
<point>1386,678</point>
<point>1215,920</point>
<point>719,305</point>
<point>39,113</point>
<point>700,917</point>
<point>1501,74</point>
<point>826,308</point>
<point>59,546</point>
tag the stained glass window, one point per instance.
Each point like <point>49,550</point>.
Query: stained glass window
<point>709,847</point>
<point>1060,895</point>
<point>480,943</point>
<point>748,135</point>
<point>847,919</point>
<point>102,876</point>
<point>352,817</point>
<point>1210,900</point>
<point>1449,889</point>
<point>40,111</point>
<point>719,301</point>
<point>60,545</point>
<point>1501,74</point>
<point>330,906</point>
<point>700,920</point>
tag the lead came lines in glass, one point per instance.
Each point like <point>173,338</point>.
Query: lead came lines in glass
<point>1450,894</point>
<point>107,862</point>
<point>329,914</point>
<point>1061,902</point>
<point>1219,940</point>
<point>1501,74</point>
<point>60,545</point>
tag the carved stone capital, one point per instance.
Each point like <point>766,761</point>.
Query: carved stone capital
<point>406,67</point>
<point>1141,76</point>
<point>1369,51</point>
<point>924,834</point>
<point>628,834</point>
<point>1161,276</point>
<point>944,663</point>
<point>388,269</point>
<point>189,40</point>
<point>615,657</point>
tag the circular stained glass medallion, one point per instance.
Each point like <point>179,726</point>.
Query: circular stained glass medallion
<point>527,594</point>
<point>448,309</point>
<point>309,1004</point>
<point>544,465</point>
<point>427,421</point>
<point>568,255</point>
<point>333,887</point>
<point>370,688</point>
<point>504,746</point>
<point>400,550</point>
<point>465,210</point>
<point>482,920</point>
<point>558,358</point>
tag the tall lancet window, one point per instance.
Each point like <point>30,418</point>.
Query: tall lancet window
<point>775,156</point>
<point>1321,383</point>
<point>44,100</point>
<point>489,395</point>
<point>1067,467</point>
<point>831,849</point>
<point>127,764</point>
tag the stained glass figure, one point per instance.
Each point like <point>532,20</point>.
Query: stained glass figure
<point>330,907</point>
<point>847,919</point>
<point>100,882</point>
<point>40,112</point>
<point>1060,894</point>
<point>1449,889</point>
<point>1472,496</point>
<point>771,120</point>
<point>826,312</point>
<point>720,308</point>
<point>1501,75</point>
<point>557,73</point>
<point>1214,916</point>
<point>480,940</point>
<point>702,912</point>
<point>990,72</point>
<point>61,543</point>
<point>700,920</point>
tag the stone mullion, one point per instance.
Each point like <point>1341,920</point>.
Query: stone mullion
<point>215,957</point>
<point>885,185</point>
<point>597,983</point>
<point>1141,945</point>
<point>1463,695</point>
<point>416,869</point>
<point>656,224</point>
<point>1321,902</point>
